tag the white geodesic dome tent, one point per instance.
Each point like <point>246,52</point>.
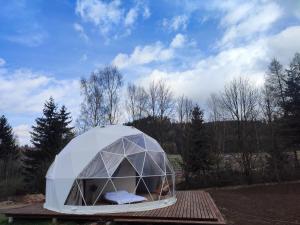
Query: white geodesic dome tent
<point>108,160</point>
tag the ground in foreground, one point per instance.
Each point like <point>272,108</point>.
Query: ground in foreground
<point>260,205</point>
<point>191,207</point>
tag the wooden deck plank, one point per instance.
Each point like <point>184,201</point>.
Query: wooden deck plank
<point>201,205</point>
<point>191,207</point>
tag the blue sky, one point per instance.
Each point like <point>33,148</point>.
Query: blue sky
<point>196,46</point>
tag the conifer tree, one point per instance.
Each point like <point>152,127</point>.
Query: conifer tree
<point>291,120</point>
<point>199,156</point>
<point>7,139</point>
<point>8,147</point>
<point>49,136</point>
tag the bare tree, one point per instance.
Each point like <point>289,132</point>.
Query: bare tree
<point>153,99</point>
<point>276,156</point>
<point>93,106</point>
<point>214,108</point>
<point>131,101</point>
<point>184,107</point>
<point>100,98</point>
<point>240,100</point>
<point>240,103</point>
<point>268,104</point>
<point>137,100</point>
<point>164,99</point>
<point>217,130</point>
<point>180,108</point>
<point>142,102</point>
<point>112,81</point>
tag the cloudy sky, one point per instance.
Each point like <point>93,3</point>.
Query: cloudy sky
<point>196,46</point>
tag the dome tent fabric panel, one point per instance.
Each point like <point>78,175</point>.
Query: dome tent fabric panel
<point>82,149</point>
<point>96,168</point>
<point>116,147</point>
<point>111,161</point>
<point>150,167</point>
<point>137,139</point>
<point>131,147</point>
<point>137,161</point>
<point>152,145</point>
<point>159,159</point>
<point>94,160</point>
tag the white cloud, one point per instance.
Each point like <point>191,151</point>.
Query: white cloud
<point>146,13</point>
<point>178,41</point>
<point>131,17</point>
<point>100,13</point>
<point>22,132</point>
<point>156,52</point>
<point>81,31</point>
<point>111,17</point>
<point>285,44</point>
<point>211,73</point>
<point>83,58</point>
<point>23,91</point>
<point>2,62</point>
<point>176,23</point>
<point>143,55</point>
<point>246,20</point>
<point>28,39</point>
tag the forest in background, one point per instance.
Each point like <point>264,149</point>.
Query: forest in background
<point>248,135</point>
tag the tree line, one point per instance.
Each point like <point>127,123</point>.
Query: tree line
<point>250,133</point>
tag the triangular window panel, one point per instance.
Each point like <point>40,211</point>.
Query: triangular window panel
<point>169,169</point>
<point>111,161</point>
<point>152,144</point>
<point>110,187</point>
<point>159,158</point>
<point>154,184</point>
<point>137,161</point>
<point>151,168</point>
<point>125,184</point>
<point>125,169</point>
<point>95,168</point>
<point>116,147</point>
<point>143,190</point>
<point>92,190</point>
<point>171,183</point>
<point>75,196</point>
<point>131,147</point>
<point>137,139</point>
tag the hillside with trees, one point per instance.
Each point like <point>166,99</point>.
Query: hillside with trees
<point>245,134</point>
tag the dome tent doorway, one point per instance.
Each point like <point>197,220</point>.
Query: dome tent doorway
<point>107,161</point>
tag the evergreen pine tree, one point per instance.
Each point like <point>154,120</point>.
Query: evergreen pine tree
<point>49,136</point>
<point>7,140</point>
<point>291,120</point>
<point>199,156</point>
<point>8,147</point>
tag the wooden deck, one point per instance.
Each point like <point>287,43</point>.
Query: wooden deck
<point>192,207</point>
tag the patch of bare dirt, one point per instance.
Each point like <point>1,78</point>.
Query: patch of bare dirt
<point>21,201</point>
<point>260,205</point>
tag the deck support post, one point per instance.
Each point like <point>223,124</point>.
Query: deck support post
<point>54,220</point>
<point>10,219</point>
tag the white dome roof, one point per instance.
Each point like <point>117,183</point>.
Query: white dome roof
<point>83,148</point>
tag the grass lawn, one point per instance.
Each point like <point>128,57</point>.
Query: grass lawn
<point>260,205</point>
